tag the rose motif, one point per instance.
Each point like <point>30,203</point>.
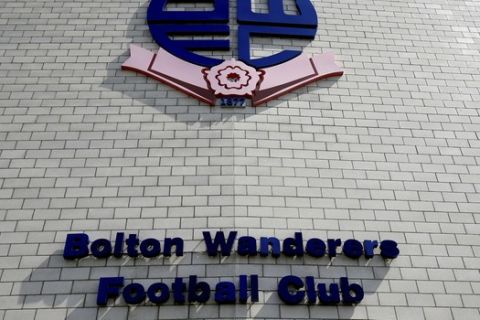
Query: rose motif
<point>233,78</point>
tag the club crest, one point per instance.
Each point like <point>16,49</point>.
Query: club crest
<point>179,64</point>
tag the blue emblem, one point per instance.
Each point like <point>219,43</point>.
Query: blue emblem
<point>166,24</point>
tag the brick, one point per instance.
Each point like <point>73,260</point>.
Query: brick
<point>387,151</point>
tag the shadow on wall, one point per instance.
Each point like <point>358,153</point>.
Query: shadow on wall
<point>168,101</point>
<point>70,287</point>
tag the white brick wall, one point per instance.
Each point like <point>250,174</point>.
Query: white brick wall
<point>388,151</point>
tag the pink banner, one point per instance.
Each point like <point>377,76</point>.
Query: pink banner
<point>202,83</point>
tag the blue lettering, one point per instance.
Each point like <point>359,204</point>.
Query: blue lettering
<point>198,291</point>
<point>158,293</point>
<point>348,289</point>
<point>264,246</point>
<point>368,247</point>
<point>225,292</point>
<point>164,24</point>
<point>169,243</point>
<point>134,293</point>
<point>389,249</point>
<point>286,294</point>
<point>108,288</point>
<point>178,287</point>
<point>118,248</point>
<point>247,246</point>
<point>310,290</point>
<point>325,298</point>
<point>219,243</point>
<point>315,248</point>
<point>353,249</point>
<point>293,246</point>
<point>332,247</point>
<point>76,246</point>
<point>243,291</point>
<point>276,23</point>
<point>150,248</point>
<point>101,248</point>
<point>132,243</point>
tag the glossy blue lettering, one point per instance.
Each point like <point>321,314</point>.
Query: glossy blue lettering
<point>247,246</point>
<point>274,23</point>
<point>108,288</point>
<point>225,246</point>
<point>369,247</point>
<point>325,297</point>
<point>101,248</point>
<point>351,293</point>
<point>289,296</point>
<point>178,287</point>
<point>353,248</point>
<point>389,249</point>
<point>150,248</point>
<point>169,243</point>
<point>266,243</point>
<point>243,291</point>
<point>225,292</point>
<point>158,293</point>
<point>198,291</point>
<point>315,248</point>
<point>76,246</point>
<point>134,293</point>
<point>293,246</point>
<point>332,247</point>
<point>167,24</point>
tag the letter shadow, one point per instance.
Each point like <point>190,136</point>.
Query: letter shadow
<point>68,289</point>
